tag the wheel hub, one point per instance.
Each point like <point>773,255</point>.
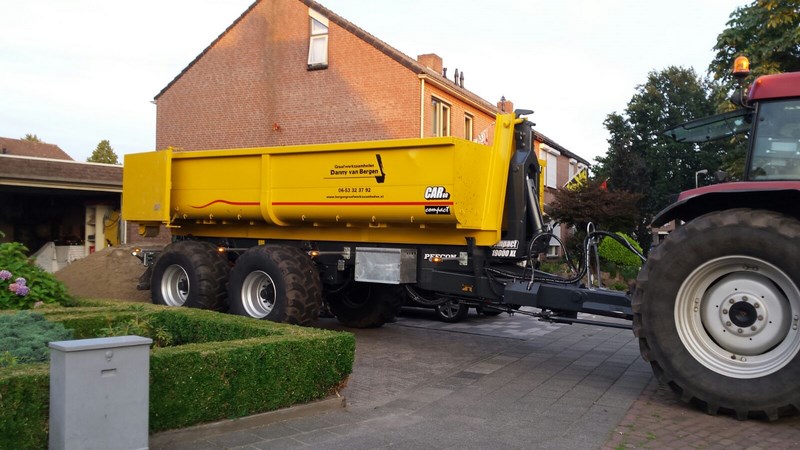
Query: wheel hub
<point>736,316</point>
<point>258,294</point>
<point>175,285</point>
<point>744,313</point>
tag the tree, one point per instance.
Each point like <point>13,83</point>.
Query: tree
<point>31,138</point>
<point>103,154</point>
<point>606,209</point>
<point>767,32</point>
<point>641,159</point>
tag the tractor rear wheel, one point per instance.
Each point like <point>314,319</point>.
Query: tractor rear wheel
<point>276,282</point>
<point>366,305</point>
<point>190,273</point>
<point>717,311</point>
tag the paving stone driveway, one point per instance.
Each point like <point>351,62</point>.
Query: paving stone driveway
<point>504,382</point>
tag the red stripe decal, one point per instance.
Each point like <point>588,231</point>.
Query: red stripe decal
<point>362,203</point>
<point>227,203</point>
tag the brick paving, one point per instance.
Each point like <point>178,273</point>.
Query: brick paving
<point>503,382</point>
<point>658,419</point>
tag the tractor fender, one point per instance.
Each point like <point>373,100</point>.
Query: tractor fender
<point>779,196</point>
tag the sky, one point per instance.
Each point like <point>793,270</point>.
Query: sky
<point>80,71</point>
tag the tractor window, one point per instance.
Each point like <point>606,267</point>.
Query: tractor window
<point>713,127</point>
<point>776,142</point>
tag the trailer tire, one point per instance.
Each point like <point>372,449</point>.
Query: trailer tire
<point>276,282</point>
<point>452,311</point>
<point>716,312</point>
<point>366,305</point>
<point>192,274</point>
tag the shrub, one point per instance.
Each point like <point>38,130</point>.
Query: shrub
<point>24,337</point>
<point>612,251</point>
<point>139,326</point>
<point>218,366</point>
<point>23,284</point>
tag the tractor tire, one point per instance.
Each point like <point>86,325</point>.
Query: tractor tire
<point>716,311</point>
<point>276,282</point>
<point>366,305</point>
<point>190,273</point>
<point>452,311</point>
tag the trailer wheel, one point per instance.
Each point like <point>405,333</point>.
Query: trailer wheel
<point>366,305</point>
<point>277,283</point>
<point>716,311</point>
<point>190,273</point>
<point>452,311</point>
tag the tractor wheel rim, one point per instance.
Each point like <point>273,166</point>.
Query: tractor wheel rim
<point>738,316</point>
<point>258,294</point>
<point>175,285</point>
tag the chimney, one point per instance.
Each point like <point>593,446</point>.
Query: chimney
<point>505,106</point>
<point>461,79</point>
<point>431,61</point>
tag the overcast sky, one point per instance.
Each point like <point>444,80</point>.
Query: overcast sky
<point>75,72</point>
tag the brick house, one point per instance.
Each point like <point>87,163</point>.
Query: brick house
<point>46,197</point>
<point>293,72</point>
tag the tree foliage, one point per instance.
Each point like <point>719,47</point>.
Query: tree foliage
<point>31,138</point>
<point>608,210</point>
<point>103,154</point>
<point>767,32</point>
<point>642,159</point>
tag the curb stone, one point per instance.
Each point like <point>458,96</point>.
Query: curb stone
<point>167,439</point>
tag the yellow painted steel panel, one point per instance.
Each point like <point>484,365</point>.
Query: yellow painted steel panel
<point>408,190</point>
<point>146,187</point>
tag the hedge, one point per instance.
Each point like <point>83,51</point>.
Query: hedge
<point>612,251</point>
<point>223,366</point>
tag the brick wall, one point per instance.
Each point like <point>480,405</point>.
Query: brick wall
<point>252,88</point>
<point>481,120</point>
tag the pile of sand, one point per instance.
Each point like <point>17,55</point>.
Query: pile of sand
<point>111,273</point>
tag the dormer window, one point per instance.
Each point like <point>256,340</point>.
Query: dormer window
<point>318,41</point>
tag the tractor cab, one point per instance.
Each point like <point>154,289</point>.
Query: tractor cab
<point>770,116</point>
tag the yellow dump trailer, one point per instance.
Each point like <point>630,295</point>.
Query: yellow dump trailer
<point>423,191</point>
<point>360,228</point>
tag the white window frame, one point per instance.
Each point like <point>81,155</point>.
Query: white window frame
<point>469,122</point>
<point>318,40</point>
<point>440,117</point>
<point>551,170</point>
<point>553,249</point>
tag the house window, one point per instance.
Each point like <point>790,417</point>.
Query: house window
<point>551,170</point>
<point>553,249</point>
<point>441,117</point>
<point>572,168</point>
<point>318,42</point>
<point>467,127</point>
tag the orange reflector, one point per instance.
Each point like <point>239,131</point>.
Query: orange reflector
<point>221,249</point>
<point>314,253</point>
<point>741,67</point>
<point>436,259</point>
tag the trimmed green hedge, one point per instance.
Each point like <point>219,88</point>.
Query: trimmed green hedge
<point>224,366</point>
<point>612,251</point>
